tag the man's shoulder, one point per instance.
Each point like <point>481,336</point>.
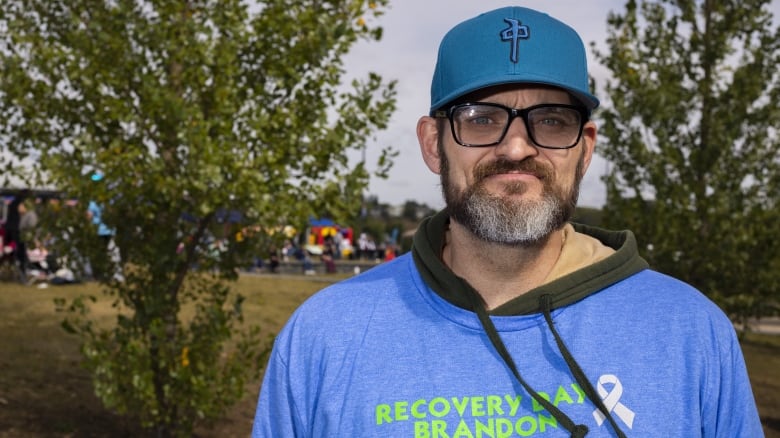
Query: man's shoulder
<point>344,309</point>
<point>650,291</point>
<point>373,283</point>
<point>651,285</point>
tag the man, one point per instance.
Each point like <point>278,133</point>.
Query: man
<point>101,259</point>
<point>28,223</point>
<point>107,254</point>
<point>506,320</point>
<point>19,228</point>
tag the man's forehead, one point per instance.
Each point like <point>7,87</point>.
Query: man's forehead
<point>522,90</point>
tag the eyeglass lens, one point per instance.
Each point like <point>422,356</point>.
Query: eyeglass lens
<point>550,126</point>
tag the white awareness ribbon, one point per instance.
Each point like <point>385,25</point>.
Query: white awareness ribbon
<point>612,401</point>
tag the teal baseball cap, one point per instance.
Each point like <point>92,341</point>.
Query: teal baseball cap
<point>511,45</point>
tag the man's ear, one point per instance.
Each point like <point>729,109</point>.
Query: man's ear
<point>589,135</point>
<point>428,137</point>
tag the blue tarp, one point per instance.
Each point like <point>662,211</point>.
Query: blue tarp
<point>325,222</point>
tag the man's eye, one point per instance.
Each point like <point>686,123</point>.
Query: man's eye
<point>550,121</point>
<point>482,120</point>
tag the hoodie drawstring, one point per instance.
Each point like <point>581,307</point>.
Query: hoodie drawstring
<point>545,302</point>
<point>576,430</point>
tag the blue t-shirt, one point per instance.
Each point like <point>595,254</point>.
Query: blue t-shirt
<point>382,355</point>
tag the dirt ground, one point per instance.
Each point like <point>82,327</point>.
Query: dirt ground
<point>45,394</point>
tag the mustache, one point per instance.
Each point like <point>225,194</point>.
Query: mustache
<point>502,165</point>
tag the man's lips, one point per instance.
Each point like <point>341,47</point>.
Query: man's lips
<point>515,174</point>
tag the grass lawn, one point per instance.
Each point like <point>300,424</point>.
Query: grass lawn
<point>44,392</point>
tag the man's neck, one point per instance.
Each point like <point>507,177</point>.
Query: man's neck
<point>498,272</point>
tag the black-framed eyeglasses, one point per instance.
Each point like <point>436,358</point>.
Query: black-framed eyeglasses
<point>549,125</point>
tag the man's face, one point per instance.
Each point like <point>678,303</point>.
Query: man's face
<point>514,193</point>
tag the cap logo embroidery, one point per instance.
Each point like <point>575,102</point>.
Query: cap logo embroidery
<point>514,33</point>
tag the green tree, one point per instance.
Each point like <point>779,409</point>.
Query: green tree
<point>413,211</point>
<point>692,124</point>
<point>192,111</point>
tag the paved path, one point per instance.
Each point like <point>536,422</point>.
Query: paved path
<point>769,326</point>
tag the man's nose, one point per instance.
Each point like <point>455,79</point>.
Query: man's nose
<point>516,144</point>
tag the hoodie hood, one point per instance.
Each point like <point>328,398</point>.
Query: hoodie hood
<point>563,289</point>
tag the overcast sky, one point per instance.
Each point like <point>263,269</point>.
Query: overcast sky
<point>407,52</point>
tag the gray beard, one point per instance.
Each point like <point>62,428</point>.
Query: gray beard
<point>495,219</point>
<point>519,223</point>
